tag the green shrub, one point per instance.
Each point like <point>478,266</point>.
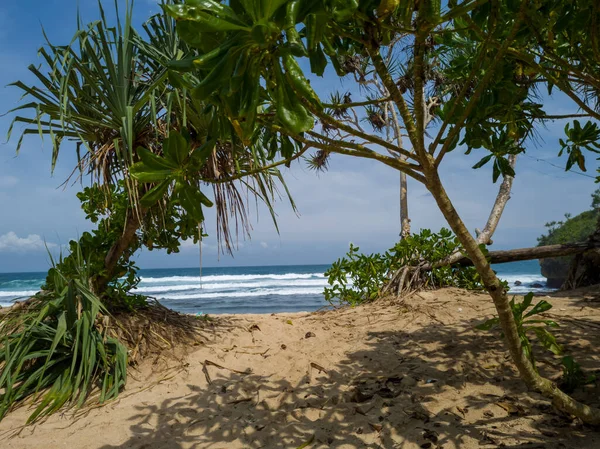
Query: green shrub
<point>526,325</point>
<point>573,376</point>
<point>358,278</point>
<point>107,207</point>
<point>56,350</point>
<point>573,229</point>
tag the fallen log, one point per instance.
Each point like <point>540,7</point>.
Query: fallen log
<point>538,252</point>
<point>413,277</point>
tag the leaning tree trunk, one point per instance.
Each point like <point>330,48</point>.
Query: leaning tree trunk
<point>494,287</point>
<point>585,268</point>
<point>401,280</point>
<point>117,251</point>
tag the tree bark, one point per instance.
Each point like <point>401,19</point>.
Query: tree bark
<point>502,198</point>
<point>128,236</point>
<point>494,287</point>
<point>537,252</point>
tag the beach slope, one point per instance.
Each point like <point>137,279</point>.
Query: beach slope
<point>412,374</point>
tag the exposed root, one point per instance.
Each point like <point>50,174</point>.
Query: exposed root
<point>407,280</point>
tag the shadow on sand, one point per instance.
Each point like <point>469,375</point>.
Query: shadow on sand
<point>403,390</point>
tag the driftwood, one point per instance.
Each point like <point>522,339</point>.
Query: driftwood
<point>538,252</point>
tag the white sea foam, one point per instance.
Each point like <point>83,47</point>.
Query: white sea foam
<point>229,277</point>
<point>229,285</point>
<point>242,294</point>
<point>524,278</point>
<point>17,294</point>
<point>527,281</point>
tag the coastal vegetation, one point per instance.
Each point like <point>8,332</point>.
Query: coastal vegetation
<point>570,230</point>
<point>217,96</point>
<point>415,262</point>
<point>133,122</point>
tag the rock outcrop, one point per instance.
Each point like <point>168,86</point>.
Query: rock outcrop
<point>555,270</point>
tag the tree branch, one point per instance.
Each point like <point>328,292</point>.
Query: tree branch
<point>335,147</point>
<point>396,95</point>
<point>258,170</point>
<point>350,130</point>
<point>453,134</point>
<point>502,198</point>
<point>356,104</point>
<point>362,149</point>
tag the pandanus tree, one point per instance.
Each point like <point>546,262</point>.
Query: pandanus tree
<point>138,134</point>
<point>148,153</point>
<point>494,56</point>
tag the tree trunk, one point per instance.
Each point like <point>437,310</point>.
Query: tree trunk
<point>502,198</point>
<point>494,287</point>
<point>118,249</point>
<point>404,220</point>
<point>485,236</point>
<point>585,269</point>
<point>537,252</point>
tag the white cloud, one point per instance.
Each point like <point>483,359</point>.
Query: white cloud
<point>264,244</point>
<point>8,181</point>
<point>189,246</point>
<point>12,243</point>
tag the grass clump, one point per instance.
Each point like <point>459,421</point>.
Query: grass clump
<point>55,349</point>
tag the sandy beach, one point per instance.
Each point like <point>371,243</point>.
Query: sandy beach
<point>413,374</point>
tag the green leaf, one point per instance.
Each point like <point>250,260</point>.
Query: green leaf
<point>505,167</point>
<point>142,173</point>
<point>496,172</point>
<point>153,161</point>
<point>549,323</point>
<point>156,193</point>
<point>191,204</point>
<point>204,20</point>
<point>318,61</point>
<point>483,161</point>
<point>527,300</point>
<point>176,148</point>
<point>540,307</point>
<point>547,340</point>
<point>202,153</point>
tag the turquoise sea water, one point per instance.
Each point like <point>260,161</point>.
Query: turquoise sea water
<point>266,289</point>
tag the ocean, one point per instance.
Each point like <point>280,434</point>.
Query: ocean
<point>267,289</point>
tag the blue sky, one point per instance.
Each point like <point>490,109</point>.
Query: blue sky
<point>356,201</point>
